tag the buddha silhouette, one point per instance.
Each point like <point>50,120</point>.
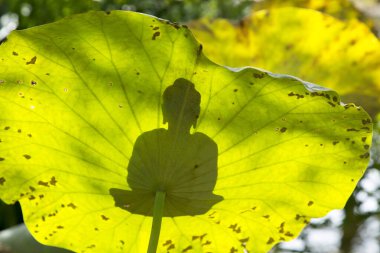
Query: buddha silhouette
<point>182,164</point>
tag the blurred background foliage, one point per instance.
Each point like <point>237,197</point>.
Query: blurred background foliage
<point>341,55</point>
<point>37,12</point>
<point>356,228</point>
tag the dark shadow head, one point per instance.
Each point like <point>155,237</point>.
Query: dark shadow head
<point>181,103</point>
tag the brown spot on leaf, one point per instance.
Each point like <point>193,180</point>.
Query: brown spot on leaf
<point>206,243</point>
<point>291,94</point>
<point>283,129</point>
<point>270,240</point>
<point>365,155</point>
<point>53,181</point>
<point>200,237</point>
<point>289,234</point>
<point>235,228</point>
<point>51,214</point>
<point>156,34</point>
<point>310,203</point>
<point>59,227</point>
<point>187,249</point>
<point>211,215</point>
<point>289,46</point>
<point>7,128</point>
<point>46,184</point>
<point>281,228</point>
<point>72,205</point>
<point>366,121</point>
<point>200,50</point>
<point>104,217</point>
<point>233,250</point>
<point>258,75</point>
<point>244,240</point>
<point>32,61</point>
<point>2,180</point>
<point>26,156</point>
<point>331,103</point>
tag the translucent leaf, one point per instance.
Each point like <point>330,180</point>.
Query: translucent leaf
<point>344,56</point>
<point>342,9</point>
<point>84,145</point>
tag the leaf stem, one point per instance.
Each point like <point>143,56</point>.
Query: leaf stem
<point>158,211</point>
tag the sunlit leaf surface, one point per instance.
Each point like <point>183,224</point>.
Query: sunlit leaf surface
<point>81,97</point>
<point>342,9</point>
<point>344,56</point>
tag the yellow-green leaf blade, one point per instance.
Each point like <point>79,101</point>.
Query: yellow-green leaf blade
<point>77,94</point>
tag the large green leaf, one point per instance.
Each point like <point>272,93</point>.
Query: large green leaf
<point>344,56</point>
<point>81,97</point>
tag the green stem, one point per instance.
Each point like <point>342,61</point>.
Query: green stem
<point>158,211</point>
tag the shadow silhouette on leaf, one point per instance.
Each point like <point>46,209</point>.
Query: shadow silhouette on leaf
<point>182,164</point>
